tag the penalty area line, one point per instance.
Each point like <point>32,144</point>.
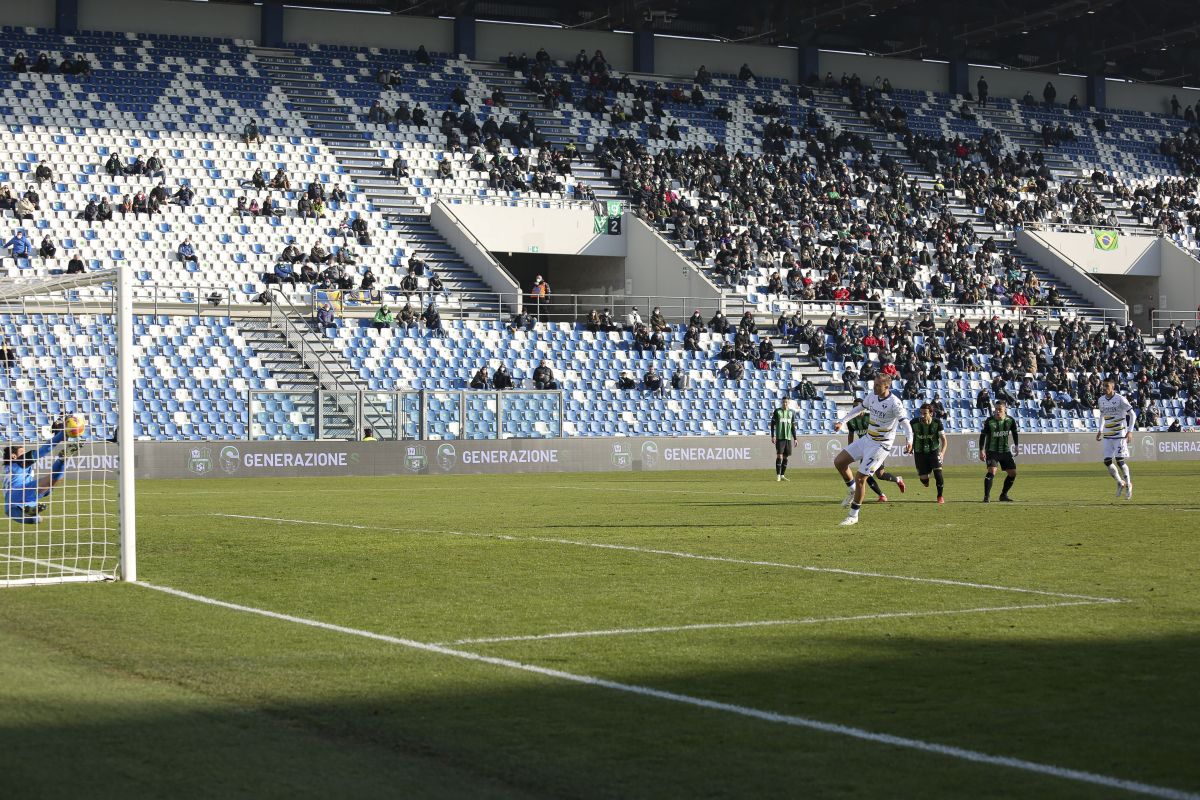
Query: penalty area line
<point>681,554</point>
<point>950,751</point>
<point>708,626</point>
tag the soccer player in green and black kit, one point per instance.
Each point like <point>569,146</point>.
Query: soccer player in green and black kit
<point>996,451</point>
<point>783,436</point>
<point>929,448</point>
<point>857,428</point>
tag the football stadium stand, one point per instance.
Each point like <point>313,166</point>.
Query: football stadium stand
<point>864,228</point>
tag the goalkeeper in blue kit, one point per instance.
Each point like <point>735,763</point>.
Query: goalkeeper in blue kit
<point>24,486</point>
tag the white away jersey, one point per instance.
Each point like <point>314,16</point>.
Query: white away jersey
<point>1116,413</point>
<point>885,416</point>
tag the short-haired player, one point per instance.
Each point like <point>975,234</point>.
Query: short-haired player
<point>856,429</point>
<point>929,448</point>
<point>1116,429</point>
<point>783,436</point>
<point>887,415</point>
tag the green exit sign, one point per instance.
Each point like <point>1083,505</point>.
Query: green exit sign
<point>533,248</point>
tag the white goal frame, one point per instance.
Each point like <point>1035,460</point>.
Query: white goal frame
<point>111,294</point>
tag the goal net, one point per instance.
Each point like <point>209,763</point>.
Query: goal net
<point>66,429</point>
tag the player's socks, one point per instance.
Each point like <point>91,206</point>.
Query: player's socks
<point>1125,472</point>
<point>887,476</point>
<point>852,517</point>
<point>987,487</point>
<point>874,486</point>
<point>1009,480</point>
<point>937,479</point>
<point>1112,470</point>
<point>783,468</point>
<point>925,482</point>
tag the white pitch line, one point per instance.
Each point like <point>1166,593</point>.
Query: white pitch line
<point>708,626</point>
<point>649,490</point>
<point>961,753</point>
<point>682,554</point>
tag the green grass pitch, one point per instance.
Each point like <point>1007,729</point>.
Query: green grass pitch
<point>111,690</point>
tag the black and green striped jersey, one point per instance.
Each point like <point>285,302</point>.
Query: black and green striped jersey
<point>858,426</point>
<point>927,436</point>
<point>783,423</point>
<point>998,435</point>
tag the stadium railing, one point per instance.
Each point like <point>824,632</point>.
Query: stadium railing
<point>427,414</point>
<point>1160,320</point>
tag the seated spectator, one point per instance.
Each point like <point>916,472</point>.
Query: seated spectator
<point>408,319</point>
<point>480,380</point>
<point>652,381</point>
<point>543,376</point>
<point>850,380</point>
<point>319,254</point>
<point>251,134</point>
<point>521,321</point>
<point>291,254</point>
<point>42,66</point>
<point>383,318</point>
<point>19,245</point>
<point>745,74</point>
<point>681,380</point>
<point>20,63</point>
<point>733,370</point>
<point>183,196</point>
<point>433,321</point>
<point>422,56</point>
<point>1048,405</point>
<point>657,321</point>
<point>983,400</point>
<point>805,390</point>
<point>284,273</point>
<point>325,316</point>
<point>47,250</point>
<point>1174,427</point>
<point>625,380</point>
<point>75,266</point>
<point>43,173</point>
<point>502,379</point>
<point>281,181</point>
<point>378,114</point>
<point>187,252</point>
<point>607,323</point>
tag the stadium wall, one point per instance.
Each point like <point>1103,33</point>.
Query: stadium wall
<point>1146,97</point>
<point>1035,245</point>
<point>931,76</point>
<point>1179,284</point>
<point>632,454</point>
<point>224,21</point>
<point>1135,255</point>
<point>682,57</point>
<point>303,25</point>
<point>476,256</point>
<point>654,268</point>
<point>495,40</point>
<point>562,231</point>
<point>29,14</point>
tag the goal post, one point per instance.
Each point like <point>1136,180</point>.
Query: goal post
<point>67,428</point>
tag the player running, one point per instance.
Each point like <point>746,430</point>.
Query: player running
<point>1116,428</point>
<point>857,428</point>
<point>929,448</point>
<point>783,436</point>
<point>995,450</point>
<point>23,486</point>
<point>887,413</point>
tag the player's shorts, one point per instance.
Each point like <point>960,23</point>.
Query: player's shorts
<point>869,454</point>
<point>783,447</point>
<point>1002,460</point>
<point>927,462</point>
<point>1116,448</point>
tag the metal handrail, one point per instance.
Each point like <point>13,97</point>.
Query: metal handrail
<point>1161,319</point>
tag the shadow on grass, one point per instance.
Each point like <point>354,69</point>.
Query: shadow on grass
<point>303,728</point>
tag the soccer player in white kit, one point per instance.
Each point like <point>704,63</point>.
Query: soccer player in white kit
<point>887,413</point>
<point>1116,429</point>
